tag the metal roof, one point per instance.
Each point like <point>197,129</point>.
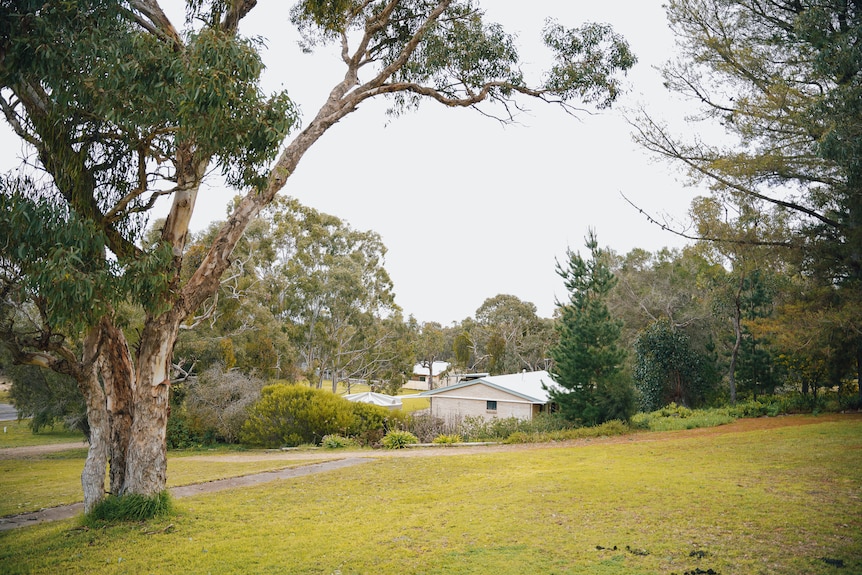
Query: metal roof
<point>528,385</point>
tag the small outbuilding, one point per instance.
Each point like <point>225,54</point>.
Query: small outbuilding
<point>373,398</point>
<point>522,395</point>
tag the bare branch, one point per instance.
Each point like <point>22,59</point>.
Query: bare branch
<point>683,234</point>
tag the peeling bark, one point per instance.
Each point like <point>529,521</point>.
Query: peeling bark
<point>146,458</point>
<point>117,374</point>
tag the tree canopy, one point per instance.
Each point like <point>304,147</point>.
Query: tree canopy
<point>122,107</point>
<point>783,80</point>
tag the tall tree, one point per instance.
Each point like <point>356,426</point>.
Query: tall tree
<point>751,236</point>
<point>782,78</point>
<point>588,360</point>
<point>512,336</point>
<point>122,108</point>
<point>329,285</point>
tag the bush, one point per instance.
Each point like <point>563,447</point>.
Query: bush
<point>131,508</point>
<point>217,402</point>
<point>294,414</point>
<point>397,439</point>
<point>179,435</point>
<point>447,439</point>
<point>606,429</point>
<point>676,417</point>
<point>367,419</point>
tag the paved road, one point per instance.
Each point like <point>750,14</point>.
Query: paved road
<point>7,412</point>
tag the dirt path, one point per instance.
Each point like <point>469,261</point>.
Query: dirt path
<point>359,457</point>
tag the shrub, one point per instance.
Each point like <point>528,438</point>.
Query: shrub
<point>178,434</point>
<point>673,417</point>
<point>447,439</point>
<point>397,439</point>
<point>367,418</point>
<point>217,402</point>
<point>131,507</point>
<point>606,429</point>
<point>295,414</point>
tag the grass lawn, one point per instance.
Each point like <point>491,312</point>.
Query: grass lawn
<point>49,480</point>
<point>18,434</point>
<point>776,501</point>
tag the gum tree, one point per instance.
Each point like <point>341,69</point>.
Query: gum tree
<point>122,107</point>
<point>783,80</point>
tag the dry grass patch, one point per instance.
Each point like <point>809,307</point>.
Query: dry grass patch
<point>778,501</point>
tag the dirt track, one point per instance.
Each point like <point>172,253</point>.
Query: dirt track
<point>346,459</point>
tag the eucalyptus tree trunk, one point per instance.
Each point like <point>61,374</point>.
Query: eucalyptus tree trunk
<point>93,475</point>
<point>118,378</point>
<point>146,457</point>
<point>95,466</point>
<point>737,330</point>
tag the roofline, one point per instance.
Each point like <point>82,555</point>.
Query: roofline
<point>461,384</point>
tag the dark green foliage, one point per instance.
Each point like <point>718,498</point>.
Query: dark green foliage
<point>367,420</point>
<point>668,369</point>
<point>132,507</point>
<point>616,398</point>
<point>587,358</point>
<point>47,398</point>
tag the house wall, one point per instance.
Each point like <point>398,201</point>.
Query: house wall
<point>472,401</point>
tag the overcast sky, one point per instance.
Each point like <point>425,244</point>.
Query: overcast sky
<point>469,208</point>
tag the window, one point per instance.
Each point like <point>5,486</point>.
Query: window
<point>491,405</point>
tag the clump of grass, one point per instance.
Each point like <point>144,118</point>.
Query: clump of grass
<point>132,507</point>
<point>336,442</point>
<point>397,439</point>
<point>607,429</point>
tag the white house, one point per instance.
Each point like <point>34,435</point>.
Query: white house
<point>521,395</point>
<point>425,377</point>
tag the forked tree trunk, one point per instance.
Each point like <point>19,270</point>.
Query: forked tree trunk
<point>146,458</point>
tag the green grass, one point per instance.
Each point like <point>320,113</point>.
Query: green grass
<point>18,434</point>
<point>776,501</point>
<point>55,479</point>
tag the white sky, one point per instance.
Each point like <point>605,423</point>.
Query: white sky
<point>469,208</point>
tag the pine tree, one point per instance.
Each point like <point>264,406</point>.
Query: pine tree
<point>587,358</point>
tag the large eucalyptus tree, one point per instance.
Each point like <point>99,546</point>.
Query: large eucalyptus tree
<point>122,107</point>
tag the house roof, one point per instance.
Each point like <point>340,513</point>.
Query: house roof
<point>528,385</point>
<point>437,368</point>
<point>375,399</point>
